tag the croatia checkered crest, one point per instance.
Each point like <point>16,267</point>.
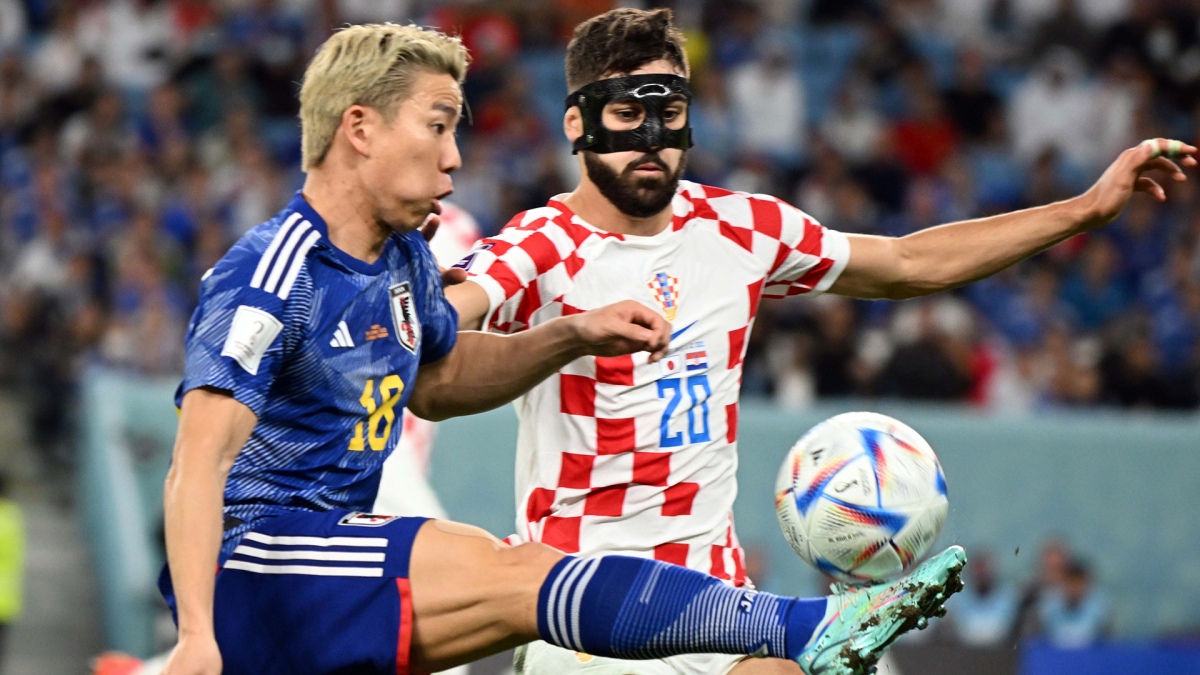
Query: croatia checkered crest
<point>861,497</point>
<point>665,288</point>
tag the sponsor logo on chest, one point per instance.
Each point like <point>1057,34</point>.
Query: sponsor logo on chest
<point>404,316</point>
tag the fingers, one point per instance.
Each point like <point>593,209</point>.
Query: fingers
<point>1167,166</point>
<point>1150,187</point>
<point>1153,148</point>
<point>660,329</point>
<point>430,228</point>
<point>453,276</point>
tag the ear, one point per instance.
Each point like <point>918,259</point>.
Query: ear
<point>358,126</point>
<point>573,123</point>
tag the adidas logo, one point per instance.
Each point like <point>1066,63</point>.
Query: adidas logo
<point>341,336</point>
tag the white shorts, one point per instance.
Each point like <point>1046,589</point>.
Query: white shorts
<point>540,658</point>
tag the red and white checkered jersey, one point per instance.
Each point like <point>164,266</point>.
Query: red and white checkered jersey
<point>619,455</point>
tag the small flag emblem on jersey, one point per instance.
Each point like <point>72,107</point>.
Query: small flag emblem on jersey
<point>666,291</point>
<point>696,356</point>
<point>341,336</point>
<point>366,519</point>
<point>404,316</point>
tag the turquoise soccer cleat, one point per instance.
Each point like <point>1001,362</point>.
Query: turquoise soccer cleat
<point>862,622</point>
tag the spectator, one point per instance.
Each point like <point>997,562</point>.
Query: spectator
<point>1064,28</point>
<point>970,102</point>
<point>926,137</point>
<point>1052,109</point>
<point>133,39</point>
<point>853,127</point>
<point>1076,614</point>
<point>1047,580</point>
<point>986,608</point>
<point>58,59</point>
<point>12,562</point>
<point>1095,291</point>
<point>767,96</point>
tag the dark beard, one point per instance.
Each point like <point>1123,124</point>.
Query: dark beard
<point>633,196</point>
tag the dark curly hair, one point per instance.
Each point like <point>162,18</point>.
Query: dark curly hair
<point>620,41</point>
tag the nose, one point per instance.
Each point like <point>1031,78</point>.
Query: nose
<point>451,158</point>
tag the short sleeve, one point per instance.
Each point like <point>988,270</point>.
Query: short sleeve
<point>239,333</point>
<point>809,258</point>
<point>439,320</point>
<point>519,269</point>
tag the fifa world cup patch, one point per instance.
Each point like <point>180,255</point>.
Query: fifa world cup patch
<point>665,288</point>
<point>251,333</point>
<point>366,520</point>
<point>404,316</point>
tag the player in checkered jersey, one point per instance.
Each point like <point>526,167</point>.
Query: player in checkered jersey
<point>618,455</point>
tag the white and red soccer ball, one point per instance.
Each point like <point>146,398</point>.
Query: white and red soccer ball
<point>861,497</point>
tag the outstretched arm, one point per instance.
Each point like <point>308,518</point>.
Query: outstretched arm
<point>485,371</point>
<point>947,256</point>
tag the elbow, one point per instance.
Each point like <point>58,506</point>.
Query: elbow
<point>422,405</point>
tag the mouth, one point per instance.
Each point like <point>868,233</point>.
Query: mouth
<point>649,169</point>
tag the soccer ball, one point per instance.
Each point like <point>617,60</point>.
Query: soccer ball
<point>861,497</point>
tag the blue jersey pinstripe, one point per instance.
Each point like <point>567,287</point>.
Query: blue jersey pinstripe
<point>330,387</point>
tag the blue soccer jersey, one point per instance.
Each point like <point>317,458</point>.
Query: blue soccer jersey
<point>324,348</point>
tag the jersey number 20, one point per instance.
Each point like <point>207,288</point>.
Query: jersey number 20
<point>381,414</point>
<point>697,391</point>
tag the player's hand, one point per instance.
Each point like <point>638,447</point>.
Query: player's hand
<point>453,275</point>
<point>624,328</point>
<point>1105,200</point>
<point>194,656</point>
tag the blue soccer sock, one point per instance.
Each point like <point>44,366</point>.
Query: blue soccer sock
<point>632,608</point>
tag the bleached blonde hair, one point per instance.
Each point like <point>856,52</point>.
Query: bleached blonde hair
<point>370,65</point>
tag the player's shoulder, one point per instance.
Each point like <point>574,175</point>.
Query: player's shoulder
<point>270,257</point>
<point>709,202</point>
<point>554,215</point>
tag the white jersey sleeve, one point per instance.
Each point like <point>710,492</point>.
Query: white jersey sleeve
<point>808,257</point>
<point>527,266</point>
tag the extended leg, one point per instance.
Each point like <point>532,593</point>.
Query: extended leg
<point>472,596</point>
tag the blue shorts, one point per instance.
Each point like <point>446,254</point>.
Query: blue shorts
<point>316,593</point>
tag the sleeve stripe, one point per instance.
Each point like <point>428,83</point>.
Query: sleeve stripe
<point>297,264</point>
<point>264,264</point>
<point>280,265</point>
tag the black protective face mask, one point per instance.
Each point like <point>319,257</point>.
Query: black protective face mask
<point>652,92</point>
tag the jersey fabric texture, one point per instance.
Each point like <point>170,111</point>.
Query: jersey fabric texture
<point>322,347</point>
<point>618,455</point>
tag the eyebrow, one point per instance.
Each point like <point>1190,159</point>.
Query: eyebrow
<point>448,109</point>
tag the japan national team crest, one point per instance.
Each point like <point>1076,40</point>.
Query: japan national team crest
<point>366,519</point>
<point>404,316</point>
<point>666,291</point>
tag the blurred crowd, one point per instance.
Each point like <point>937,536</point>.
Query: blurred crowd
<point>140,138</point>
<point>1061,604</point>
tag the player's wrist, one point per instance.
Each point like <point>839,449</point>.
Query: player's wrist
<point>1084,211</point>
<point>574,335</point>
<point>197,629</point>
